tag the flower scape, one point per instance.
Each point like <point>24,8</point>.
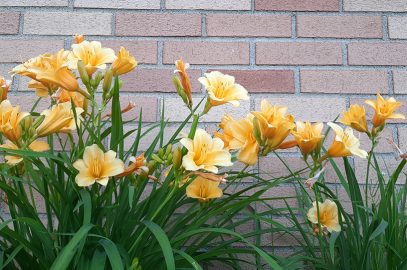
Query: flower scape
<point>109,205</point>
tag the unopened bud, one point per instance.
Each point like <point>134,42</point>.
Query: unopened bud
<point>38,121</point>
<point>97,79</point>
<point>168,150</point>
<point>107,82</point>
<point>180,89</point>
<point>27,122</point>
<point>157,158</point>
<point>177,158</point>
<point>83,73</point>
<point>257,131</point>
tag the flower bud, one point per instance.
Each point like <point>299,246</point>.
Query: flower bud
<point>177,158</point>
<point>107,82</point>
<point>180,89</point>
<point>98,78</point>
<point>168,150</point>
<point>257,131</point>
<point>157,158</point>
<point>38,121</point>
<point>82,73</point>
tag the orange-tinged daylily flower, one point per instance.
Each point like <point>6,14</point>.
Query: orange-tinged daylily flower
<point>62,96</point>
<point>185,82</point>
<point>124,62</point>
<point>60,118</point>
<point>37,146</point>
<point>203,189</point>
<point>78,38</point>
<point>10,118</point>
<point>205,152</point>
<point>328,215</point>
<point>274,124</point>
<point>50,70</point>
<point>355,117</point>
<point>4,88</point>
<point>92,55</point>
<point>97,166</point>
<point>238,135</point>
<point>222,89</point>
<point>384,109</point>
<point>345,143</point>
<point>137,166</point>
<point>308,136</point>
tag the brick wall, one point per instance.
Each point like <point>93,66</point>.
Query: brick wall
<point>315,56</point>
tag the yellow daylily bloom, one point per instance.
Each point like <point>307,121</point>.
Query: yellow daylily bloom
<point>274,124</point>
<point>328,215</point>
<point>60,118</point>
<point>308,136</point>
<point>345,143</point>
<point>355,117</point>
<point>124,62</point>
<point>97,166</point>
<point>92,55</point>
<point>222,89</point>
<point>37,146</point>
<point>203,189</point>
<point>62,96</point>
<point>205,152</point>
<point>137,166</point>
<point>78,38</point>
<point>10,118</point>
<point>4,88</point>
<point>238,135</point>
<point>384,109</point>
<point>50,70</point>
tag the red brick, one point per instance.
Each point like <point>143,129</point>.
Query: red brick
<point>9,22</point>
<point>248,25</point>
<point>264,81</point>
<point>383,146</point>
<point>156,24</point>
<point>380,54</point>
<point>298,5</point>
<point>344,81</point>
<point>298,53</point>
<point>200,52</point>
<point>339,26</point>
<point>145,51</point>
<point>22,49</point>
<point>149,105</point>
<point>156,80</point>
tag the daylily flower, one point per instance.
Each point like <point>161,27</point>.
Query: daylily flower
<point>124,62</point>
<point>137,166</point>
<point>384,109</point>
<point>78,38</point>
<point>97,166</point>
<point>274,124</point>
<point>10,118</point>
<point>222,89</point>
<point>4,88</point>
<point>203,189</point>
<point>60,118</point>
<point>345,143</point>
<point>37,146</point>
<point>328,215</point>
<point>50,70</point>
<point>205,152</point>
<point>92,55</point>
<point>355,117</point>
<point>185,82</point>
<point>62,96</point>
<point>308,136</point>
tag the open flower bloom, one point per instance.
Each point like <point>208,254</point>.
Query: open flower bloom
<point>97,166</point>
<point>92,55</point>
<point>62,96</point>
<point>345,143</point>
<point>328,215</point>
<point>60,118</point>
<point>10,118</point>
<point>238,135</point>
<point>181,69</point>
<point>37,146</point>
<point>4,88</point>
<point>223,89</point>
<point>355,117</point>
<point>205,153</point>
<point>384,109</point>
<point>78,38</point>
<point>124,62</point>
<point>308,136</point>
<point>274,124</point>
<point>137,166</point>
<point>227,135</point>
<point>203,189</point>
<point>50,70</point>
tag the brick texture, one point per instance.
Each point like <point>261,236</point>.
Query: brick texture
<point>294,5</point>
<point>9,22</point>
<point>34,3</point>
<point>120,4</point>
<point>397,27</point>
<point>209,4</point>
<point>400,81</point>
<point>375,5</point>
<point>21,50</point>
<point>377,54</point>
<point>145,51</point>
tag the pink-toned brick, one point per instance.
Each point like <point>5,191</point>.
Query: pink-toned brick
<point>306,108</point>
<point>208,4</point>
<point>375,5</point>
<point>33,3</point>
<point>20,50</point>
<point>9,22</point>
<point>295,5</point>
<point>402,134</point>
<point>271,167</point>
<point>343,81</point>
<point>380,54</point>
<point>201,52</point>
<point>158,24</point>
<point>149,105</point>
<point>339,26</point>
<point>145,51</point>
<point>400,81</point>
<point>156,80</point>
<point>27,101</point>
<point>298,53</point>
<point>118,4</point>
<point>248,25</point>
<point>264,81</point>
<point>67,23</point>
<point>397,27</point>
<point>387,166</point>
<point>383,146</point>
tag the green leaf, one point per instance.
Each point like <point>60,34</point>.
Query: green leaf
<point>332,241</point>
<point>98,260</point>
<point>379,230</point>
<point>191,260</point>
<point>113,254</point>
